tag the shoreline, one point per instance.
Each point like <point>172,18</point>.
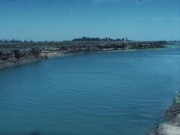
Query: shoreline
<point>23,53</point>
<point>43,56</point>
<point>49,54</point>
<point>19,62</point>
<point>171,120</point>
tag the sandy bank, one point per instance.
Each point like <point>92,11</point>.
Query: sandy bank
<point>169,128</point>
<point>51,54</point>
<point>171,121</point>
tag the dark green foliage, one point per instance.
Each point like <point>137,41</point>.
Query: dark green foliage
<point>86,39</point>
<point>100,39</point>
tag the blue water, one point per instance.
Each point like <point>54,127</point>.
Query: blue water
<point>114,93</point>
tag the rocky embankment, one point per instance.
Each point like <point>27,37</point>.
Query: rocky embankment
<point>20,56</point>
<point>21,53</point>
<point>95,46</point>
<point>171,120</point>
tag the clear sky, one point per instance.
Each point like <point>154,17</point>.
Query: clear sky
<point>68,19</point>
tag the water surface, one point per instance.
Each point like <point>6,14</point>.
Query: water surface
<point>114,93</point>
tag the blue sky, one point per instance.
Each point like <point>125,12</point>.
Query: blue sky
<point>68,19</point>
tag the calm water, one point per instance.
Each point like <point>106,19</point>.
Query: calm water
<point>120,93</point>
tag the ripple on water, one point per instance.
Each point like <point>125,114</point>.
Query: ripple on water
<point>109,93</point>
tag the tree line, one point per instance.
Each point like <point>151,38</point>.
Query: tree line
<point>100,39</point>
<point>75,39</point>
<point>15,41</point>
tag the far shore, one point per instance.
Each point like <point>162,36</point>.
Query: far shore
<point>13,54</point>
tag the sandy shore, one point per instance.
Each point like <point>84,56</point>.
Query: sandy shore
<point>51,54</point>
<point>169,128</point>
<point>171,121</point>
